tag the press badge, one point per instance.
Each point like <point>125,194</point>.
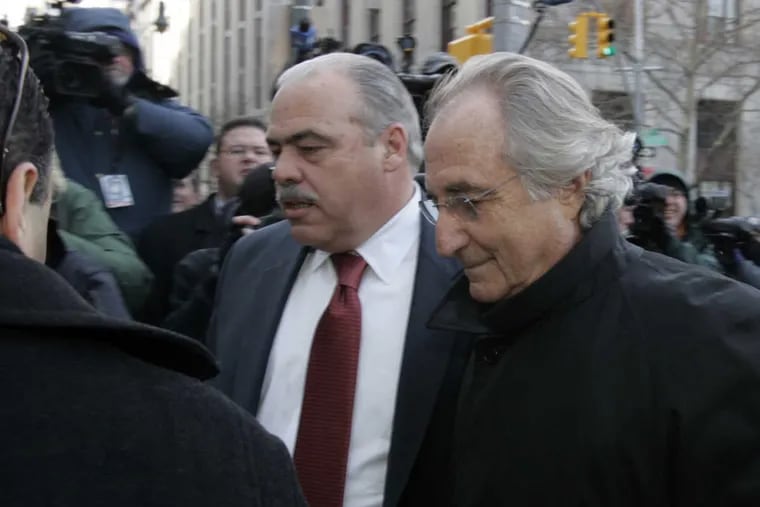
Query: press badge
<point>116,190</point>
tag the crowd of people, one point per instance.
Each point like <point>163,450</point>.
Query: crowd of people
<point>517,325</point>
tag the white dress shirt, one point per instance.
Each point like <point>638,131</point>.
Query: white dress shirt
<point>385,294</point>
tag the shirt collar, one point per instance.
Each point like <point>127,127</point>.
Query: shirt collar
<point>385,250</point>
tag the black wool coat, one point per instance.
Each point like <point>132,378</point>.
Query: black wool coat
<point>106,412</point>
<point>166,241</point>
<point>620,378</point>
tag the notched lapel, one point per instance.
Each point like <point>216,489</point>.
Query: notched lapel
<point>260,291</point>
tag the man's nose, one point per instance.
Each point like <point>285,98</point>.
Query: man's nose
<point>286,168</point>
<point>450,236</point>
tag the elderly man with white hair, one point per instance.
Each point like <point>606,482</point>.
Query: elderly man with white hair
<point>604,375</point>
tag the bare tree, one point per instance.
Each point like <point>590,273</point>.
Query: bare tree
<point>709,78</point>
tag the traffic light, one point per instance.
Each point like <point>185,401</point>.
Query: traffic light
<point>605,36</point>
<point>477,42</point>
<point>578,37</point>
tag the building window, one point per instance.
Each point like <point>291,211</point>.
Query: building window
<point>489,8</point>
<point>257,50</point>
<point>241,94</point>
<point>448,22</point>
<point>201,60</point>
<point>212,104</point>
<point>258,5</point>
<point>374,25</point>
<point>722,20</point>
<point>345,21</point>
<point>241,10</point>
<point>717,147</point>
<point>241,48</point>
<point>408,12</point>
<point>213,53</point>
<point>227,76</point>
<point>227,14</point>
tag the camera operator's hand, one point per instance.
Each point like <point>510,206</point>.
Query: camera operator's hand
<point>657,233</point>
<point>114,97</point>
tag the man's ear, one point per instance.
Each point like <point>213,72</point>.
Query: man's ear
<point>573,192</point>
<point>395,142</point>
<point>214,165</point>
<point>21,182</point>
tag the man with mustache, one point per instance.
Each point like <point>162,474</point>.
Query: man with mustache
<point>320,320</point>
<point>605,375</point>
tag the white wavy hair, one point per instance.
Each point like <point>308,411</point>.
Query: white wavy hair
<point>553,132</point>
<point>382,95</point>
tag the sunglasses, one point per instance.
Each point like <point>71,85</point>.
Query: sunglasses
<point>11,40</point>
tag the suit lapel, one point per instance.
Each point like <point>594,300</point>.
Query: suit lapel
<point>205,216</point>
<point>426,358</point>
<point>256,334</point>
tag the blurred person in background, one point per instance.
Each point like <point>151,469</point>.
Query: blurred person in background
<point>93,281</point>
<point>185,193</point>
<point>195,277</point>
<point>84,226</point>
<point>240,146</point>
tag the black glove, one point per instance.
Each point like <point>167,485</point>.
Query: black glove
<point>113,97</point>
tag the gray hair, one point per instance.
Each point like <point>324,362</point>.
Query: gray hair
<point>553,133</point>
<point>383,96</point>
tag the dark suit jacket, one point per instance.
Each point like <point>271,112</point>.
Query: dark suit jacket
<point>98,411</point>
<point>253,288</point>
<point>166,241</point>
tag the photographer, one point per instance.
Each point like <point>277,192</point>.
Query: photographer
<point>118,133</point>
<point>736,247</point>
<point>661,221</point>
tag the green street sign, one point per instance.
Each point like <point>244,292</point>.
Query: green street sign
<point>653,137</point>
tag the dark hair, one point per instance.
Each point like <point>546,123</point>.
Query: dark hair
<point>32,136</point>
<point>245,121</point>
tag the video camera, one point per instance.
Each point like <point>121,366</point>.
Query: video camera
<point>734,234</point>
<point>648,229</point>
<point>419,85</point>
<point>68,63</point>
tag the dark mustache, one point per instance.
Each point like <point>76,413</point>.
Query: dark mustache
<point>291,193</point>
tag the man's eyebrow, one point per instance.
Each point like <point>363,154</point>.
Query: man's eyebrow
<point>460,187</point>
<point>299,136</point>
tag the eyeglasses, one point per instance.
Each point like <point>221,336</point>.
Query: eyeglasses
<point>7,38</point>
<point>462,207</point>
<point>241,151</point>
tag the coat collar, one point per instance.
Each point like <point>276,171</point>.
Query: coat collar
<point>34,297</point>
<point>569,281</point>
<point>206,218</point>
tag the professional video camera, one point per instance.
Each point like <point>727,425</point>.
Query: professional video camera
<point>729,235</point>
<point>649,229</point>
<point>419,85</point>
<point>73,61</point>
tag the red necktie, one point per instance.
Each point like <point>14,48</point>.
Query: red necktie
<point>324,432</point>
